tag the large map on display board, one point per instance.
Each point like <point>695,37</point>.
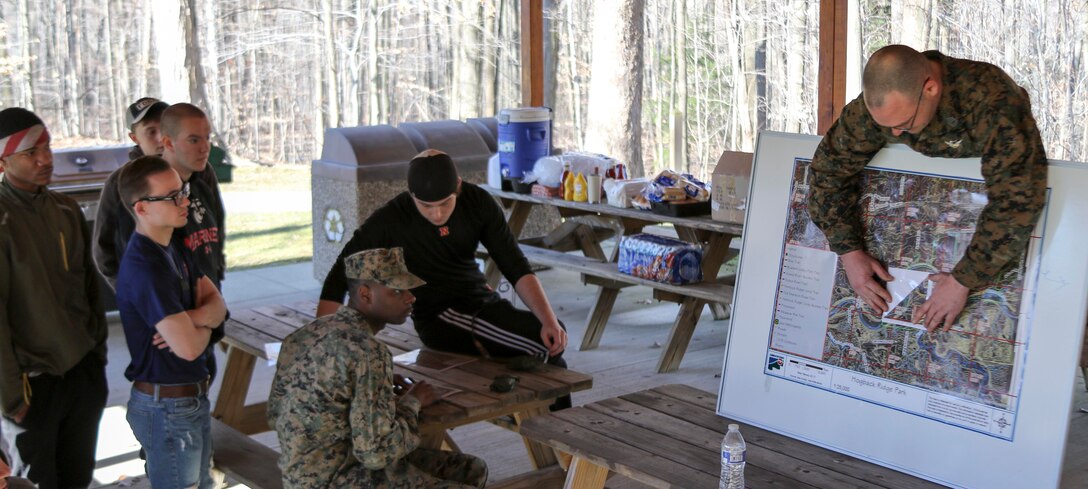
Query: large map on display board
<point>809,359</point>
<point>917,225</point>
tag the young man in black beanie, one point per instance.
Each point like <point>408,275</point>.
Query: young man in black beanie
<point>52,329</point>
<point>439,222</point>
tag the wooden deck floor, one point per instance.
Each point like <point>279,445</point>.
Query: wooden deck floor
<point>625,362</point>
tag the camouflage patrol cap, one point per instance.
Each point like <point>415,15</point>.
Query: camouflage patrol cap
<point>382,265</point>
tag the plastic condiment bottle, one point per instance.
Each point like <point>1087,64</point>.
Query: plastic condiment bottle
<point>563,180</point>
<point>580,186</point>
<point>568,186</point>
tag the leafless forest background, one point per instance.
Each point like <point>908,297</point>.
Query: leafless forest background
<point>274,73</point>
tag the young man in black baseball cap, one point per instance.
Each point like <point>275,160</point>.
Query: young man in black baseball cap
<point>142,119</point>
<point>439,222</point>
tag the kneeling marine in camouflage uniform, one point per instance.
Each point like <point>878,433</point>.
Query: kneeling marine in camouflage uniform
<point>333,405</point>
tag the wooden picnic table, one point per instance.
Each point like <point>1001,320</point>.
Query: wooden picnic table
<point>670,436</point>
<point>600,269</point>
<point>466,379</point>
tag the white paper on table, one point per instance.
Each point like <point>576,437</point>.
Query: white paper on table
<point>272,352</point>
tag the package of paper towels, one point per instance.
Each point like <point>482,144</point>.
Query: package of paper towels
<point>661,259</point>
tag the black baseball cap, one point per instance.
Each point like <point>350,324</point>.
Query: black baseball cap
<point>432,176</point>
<point>143,108</point>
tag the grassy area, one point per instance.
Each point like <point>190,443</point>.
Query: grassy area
<point>259,240</point>
<point>256,178</point>
<point>268,238</point>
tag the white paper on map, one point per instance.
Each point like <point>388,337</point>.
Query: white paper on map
<point>905,282</point>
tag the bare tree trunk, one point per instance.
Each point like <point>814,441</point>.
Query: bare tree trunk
<point>551,53</point>
<point>140,86</point>
<point>374,113</point>
<point>318,125</point>
<point>488,54</point>
<point>24,84</point>
<point>759,98</point>
<point>914,22</point>
<point>115,123</point>
<point>170,55</point>
<point>795,64</point>
<point>576,79</point>
<point>332,105</point>
<point>615,115</point>
<point>73,116</point>
<point>466,97</point>
<point>194,62</point>
<point>655,81</point>
<point>680,119</point>
<point>353,93</point>
<point>209,49</point>
<point>500,26</point>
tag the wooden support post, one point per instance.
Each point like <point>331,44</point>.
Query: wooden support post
<point>831,77</point>
<point>532,53</point>
<point>719,311</point>
<point>540,455</point>
<point>588,242</point>
<point>433,441</point>
<point>230,405</point>
<point>680,335</point>
<point>598,317</point>
<point>519,214</point>
<point>584,474</point>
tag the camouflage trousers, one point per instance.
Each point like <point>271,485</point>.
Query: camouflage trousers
<point>426,468</point>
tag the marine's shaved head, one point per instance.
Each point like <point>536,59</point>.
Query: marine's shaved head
<point>894,68</point>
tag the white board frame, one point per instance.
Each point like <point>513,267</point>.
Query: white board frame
<point>920,446</point>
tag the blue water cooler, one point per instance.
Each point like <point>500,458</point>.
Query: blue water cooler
<point>525,135</point>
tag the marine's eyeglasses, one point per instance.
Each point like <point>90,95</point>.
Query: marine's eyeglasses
<point>910,123</point>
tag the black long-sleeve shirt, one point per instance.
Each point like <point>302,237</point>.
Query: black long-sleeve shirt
<point>444,256</point>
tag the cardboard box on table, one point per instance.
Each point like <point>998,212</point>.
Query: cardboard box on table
<point>729,187</point>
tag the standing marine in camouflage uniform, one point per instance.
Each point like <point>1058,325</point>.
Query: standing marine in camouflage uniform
<point>939,106</point>
<point>333,405</point>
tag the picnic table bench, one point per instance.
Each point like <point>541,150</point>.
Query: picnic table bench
<point>670,437</point>
<point>600,269</point>
<point>466,379</point>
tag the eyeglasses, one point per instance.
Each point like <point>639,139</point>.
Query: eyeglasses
<point>178,197</point>
<point>918,105</point>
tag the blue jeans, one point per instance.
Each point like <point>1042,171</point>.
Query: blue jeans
<point>176,435</point>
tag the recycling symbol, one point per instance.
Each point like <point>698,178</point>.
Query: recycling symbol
<point>334,226</point>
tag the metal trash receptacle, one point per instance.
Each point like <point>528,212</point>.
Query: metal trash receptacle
<point>360,169</point>
<point>488,129</point>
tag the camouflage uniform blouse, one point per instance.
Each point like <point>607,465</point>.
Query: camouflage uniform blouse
<point>982,113</point>
<point>333,407</point>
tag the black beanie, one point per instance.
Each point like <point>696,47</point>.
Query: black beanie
<point>432,176</point>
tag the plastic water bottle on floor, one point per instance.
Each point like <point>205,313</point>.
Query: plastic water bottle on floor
<point>733,456</point>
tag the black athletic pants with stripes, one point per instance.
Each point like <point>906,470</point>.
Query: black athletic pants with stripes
<point>501,329</point>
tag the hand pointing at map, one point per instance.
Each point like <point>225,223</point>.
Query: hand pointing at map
<point>945,304</point>
<point>860,269</point>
